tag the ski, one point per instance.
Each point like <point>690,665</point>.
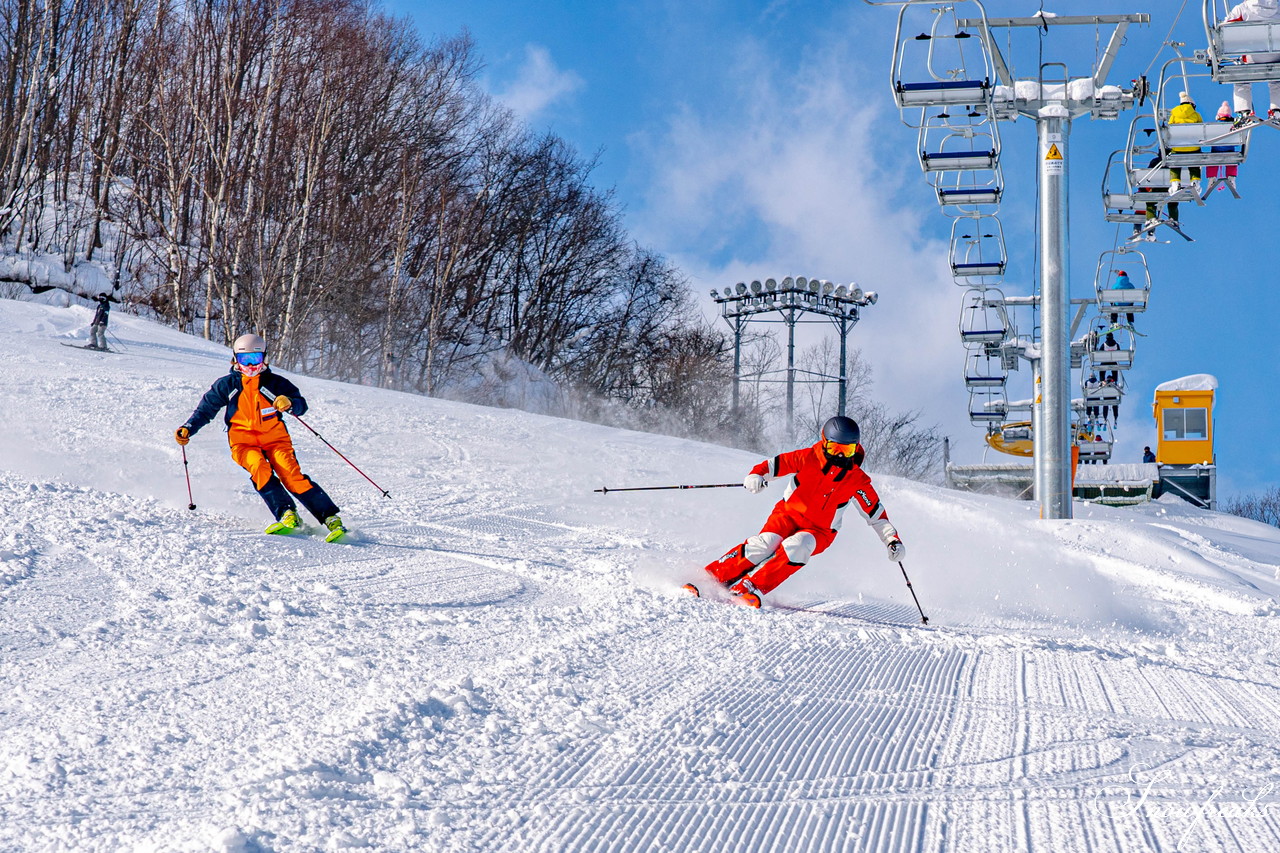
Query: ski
<point>338,536</point>
<point>746,599</point>
<point>1127,328</point>
<point>91,349</point>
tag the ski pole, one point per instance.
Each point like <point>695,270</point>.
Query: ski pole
<point>385,493</point>
<point>657,488</point>
<point>923,618</point>
<point>191,504</point>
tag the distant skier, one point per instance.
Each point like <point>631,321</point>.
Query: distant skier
<point>98,328</point>
<point>255,400</point>
<point>828,477</point>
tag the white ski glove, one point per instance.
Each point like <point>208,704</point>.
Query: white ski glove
<point>897,550</point>
<point>754,483</point>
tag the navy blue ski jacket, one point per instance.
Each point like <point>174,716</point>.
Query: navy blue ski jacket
<point>226,392</point>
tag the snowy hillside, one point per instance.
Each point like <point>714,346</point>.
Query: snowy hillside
<point>500,659</point>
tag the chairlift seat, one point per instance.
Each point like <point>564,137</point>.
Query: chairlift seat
<point>1247,37</point>
<point>984,268</point>
<point>1094,450</point>
<point>1131,217</point>
<point>1133,300</point>
<point>976,195</point>
<point>983,336</point>
<point>1120,201</point>
<point>1121,359</point>
<point>1143,178</point>
<point>985,417</point>
<point>957,161</point>
<point>939,93</point>
<point>1202,135</point>
<point>984,381</point>
<point>1103,395</point>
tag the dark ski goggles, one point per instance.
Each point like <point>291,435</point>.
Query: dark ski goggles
<point>835,449</point>
<point>248,359</point>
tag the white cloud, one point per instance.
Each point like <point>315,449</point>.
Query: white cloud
<point>539,84</point>
<point>798,175</point>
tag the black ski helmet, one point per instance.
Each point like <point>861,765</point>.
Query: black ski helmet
<point>841,430</point>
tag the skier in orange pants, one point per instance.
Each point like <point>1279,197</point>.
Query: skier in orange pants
<point>827,478</point>
<point>256,400</point>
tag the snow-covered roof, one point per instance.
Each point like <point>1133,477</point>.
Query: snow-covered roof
<point>1194,382</point>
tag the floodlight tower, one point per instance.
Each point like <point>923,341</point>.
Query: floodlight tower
<point>1052,103</point>
<point>790,302</point>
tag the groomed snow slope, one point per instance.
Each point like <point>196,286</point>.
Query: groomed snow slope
<point>501,660</point>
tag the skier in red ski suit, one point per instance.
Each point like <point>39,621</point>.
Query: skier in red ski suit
<point>827,479</point>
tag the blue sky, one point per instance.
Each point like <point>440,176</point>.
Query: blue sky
<point>756,139</point>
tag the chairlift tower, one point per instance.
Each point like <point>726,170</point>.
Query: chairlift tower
<point>1052,99</point>
<point>790,302</point>
<point>1052,103</point>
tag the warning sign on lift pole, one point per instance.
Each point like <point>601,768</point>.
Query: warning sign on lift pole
<point>1053,160</point>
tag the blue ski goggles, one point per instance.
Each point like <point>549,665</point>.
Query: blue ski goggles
<point>248,359</point>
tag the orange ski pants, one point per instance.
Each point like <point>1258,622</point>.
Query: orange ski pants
<point>776,553</point>
<point>261,460</point>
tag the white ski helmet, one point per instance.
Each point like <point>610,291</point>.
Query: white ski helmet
<point>250,355</point>
<point>249,343</point>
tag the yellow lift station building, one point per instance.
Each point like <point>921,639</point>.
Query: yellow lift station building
<point>1184,420</point>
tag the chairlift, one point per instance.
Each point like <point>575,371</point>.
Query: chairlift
<point>1100,393</point>
<point>987,406</point>
<point>1097,448</point>
<point>977,248</point>
<point>983,319</point>
<point>1119,202</point>
<point>1093,440</point>
<point>983,368</point>
<point>972,193</point>
<point>1232,47</point>
<point>944,66</point>
<point>958,143</point>
<point>1107,359</point>
<point>1193,144</point>
<point>1127,300</point>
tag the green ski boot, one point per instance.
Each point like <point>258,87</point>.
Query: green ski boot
<point>288,523</point>
<point>336,530</point>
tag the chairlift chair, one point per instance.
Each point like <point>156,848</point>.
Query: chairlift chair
<point>970,193</point>
<point>1229,44</point>
<point>1119,202</point>
<point>1103,394</point>
<point>1118,359</point>
<point>983,320</point>
<point>977,248</point>
<point>1096,450</point>
<point>944,66</point>
<point>1099,393</point>
<point>988,406</point>
<point>984,369</point>
<point>1201,137</point>
<point>1123,300</point>
<point>957,143</point>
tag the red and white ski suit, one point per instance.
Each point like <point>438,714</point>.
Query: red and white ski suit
<point>805,521</point>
